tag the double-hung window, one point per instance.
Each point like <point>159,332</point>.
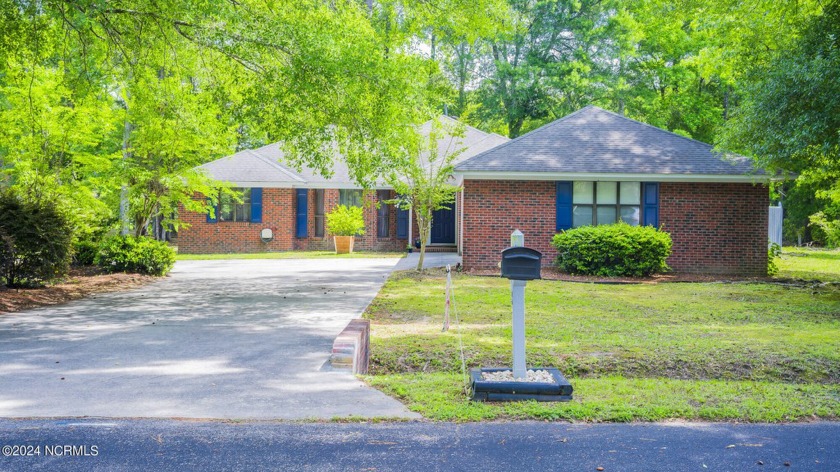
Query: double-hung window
<point>319,213</point>
<point>232,210</point>
<point>383,214</point>
<point>350,197</point>
<point>600,203</point>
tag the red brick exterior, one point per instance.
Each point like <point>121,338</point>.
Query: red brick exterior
<point>279,214</point>
<point>494,208</point>
<point>226,237</point>
<point>715,228</point>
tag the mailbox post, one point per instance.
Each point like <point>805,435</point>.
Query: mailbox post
<point>519,264</point>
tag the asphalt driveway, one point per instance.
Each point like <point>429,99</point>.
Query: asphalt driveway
<point>229,339</point>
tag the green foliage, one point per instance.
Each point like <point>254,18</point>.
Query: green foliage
<point>141,255</point>
<point>830,229</point>
<point>35,239</point>
<point>613,250</point>
<point>84,252</point>
<point>774,251</point>
<point>346,221</point>
<point>423,176</point>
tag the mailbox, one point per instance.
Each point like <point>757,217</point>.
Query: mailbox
<point>521,263</point>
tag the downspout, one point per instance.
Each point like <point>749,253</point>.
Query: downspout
<point>461,224</point>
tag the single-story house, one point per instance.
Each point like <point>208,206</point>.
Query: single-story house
<point>591,167</point>
<point>597,167</point>
<point>293,204</point>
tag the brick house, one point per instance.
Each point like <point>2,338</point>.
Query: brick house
<point>597,167</point>
<point>292,204</point>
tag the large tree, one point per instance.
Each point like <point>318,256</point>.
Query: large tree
<point>161,86</point>
<point>789,119</point>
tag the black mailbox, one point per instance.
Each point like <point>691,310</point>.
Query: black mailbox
<point>521,263</point>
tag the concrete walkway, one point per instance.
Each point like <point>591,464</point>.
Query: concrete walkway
<point>215,339</point>
<point>432,259</point>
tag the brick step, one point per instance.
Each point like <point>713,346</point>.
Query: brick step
<point>440,249</point>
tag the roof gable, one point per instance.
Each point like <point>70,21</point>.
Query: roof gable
<point>593,140</point>
<point>267,166</point>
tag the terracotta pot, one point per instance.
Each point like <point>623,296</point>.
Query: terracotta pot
<point>343,244</point>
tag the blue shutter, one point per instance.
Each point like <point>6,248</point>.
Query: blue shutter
<point>215,212</point>
<point>564,205</point>
<point>256,205</point>
<point>402,223</point>
<point>301,214</point>
<point>650,202</point>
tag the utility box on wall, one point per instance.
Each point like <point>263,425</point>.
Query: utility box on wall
<point>521,263</point>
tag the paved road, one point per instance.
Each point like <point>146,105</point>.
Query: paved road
<point>171,445</point>
<point>216,339</point>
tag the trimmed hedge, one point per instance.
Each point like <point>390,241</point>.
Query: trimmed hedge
<point>140,255</point>
<point>613,250</point>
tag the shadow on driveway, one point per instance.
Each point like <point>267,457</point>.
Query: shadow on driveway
<point>216,339</point>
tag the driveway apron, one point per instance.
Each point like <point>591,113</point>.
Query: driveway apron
<point>227,339</point>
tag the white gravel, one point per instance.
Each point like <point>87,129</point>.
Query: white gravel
<point>543,376</point>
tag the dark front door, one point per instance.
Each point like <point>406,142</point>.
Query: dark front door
<point>443,226</point>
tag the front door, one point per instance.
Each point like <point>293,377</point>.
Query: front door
<point>443,226</point>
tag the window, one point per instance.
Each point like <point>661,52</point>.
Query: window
<point>231,210</point>
<point>350,197</point>
<point>383,214</point>
<point>319,213</point>
<point>602,203</point>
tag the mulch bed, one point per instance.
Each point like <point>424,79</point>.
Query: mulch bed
<point>80,282</point>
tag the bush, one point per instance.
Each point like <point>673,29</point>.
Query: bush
<point>613,250</point>
<point>141,255</point>
<point>827,228</point>
<point>774,251</point>
<point>346,221</point>
<point>34,241</point>
<point>84,252</point>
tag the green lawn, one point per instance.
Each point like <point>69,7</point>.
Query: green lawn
<point>716,351</point>
<point>810,264</point>
<point>288,255</point>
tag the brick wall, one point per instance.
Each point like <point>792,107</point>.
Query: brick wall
<point>367,242</point>
<point>716,228</point>
<point>494,208</point>
<point>279,214</point>
<point>228,237</point>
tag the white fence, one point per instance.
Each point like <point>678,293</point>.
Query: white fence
<point>774,228</point>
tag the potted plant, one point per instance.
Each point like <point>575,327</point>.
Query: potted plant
<point>344,223</point>
<point>409,248</point>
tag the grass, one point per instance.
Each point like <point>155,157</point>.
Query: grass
<point>810,264</point>
<point>712,351</point>
<point>289,255</point>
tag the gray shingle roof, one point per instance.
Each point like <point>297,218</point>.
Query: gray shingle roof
<point>593,140</point>
<point>266,166</point>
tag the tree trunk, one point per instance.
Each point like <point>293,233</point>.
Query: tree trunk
<point>424,225</point>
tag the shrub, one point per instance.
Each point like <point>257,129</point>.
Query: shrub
<point>613,250</point>
<point>34,241</point>
<point>774,251</point>
<point>346,221</point>
<point>830,229</point>
<point>132,254</point>
<point>84,252</point>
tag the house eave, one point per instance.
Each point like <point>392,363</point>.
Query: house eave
<point>308,185</point>
<point>557,176</point>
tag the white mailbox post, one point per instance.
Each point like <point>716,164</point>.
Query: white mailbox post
<point>517,295</point>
